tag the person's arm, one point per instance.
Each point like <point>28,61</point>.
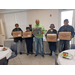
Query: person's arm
<point>56,33</point>
<point>32,35</point>
<point>21,31</point>
<point>43,30</point>
<point>72,32</point>
<point>59,31</point>
<point>46,33</point>
<point>12,32</point>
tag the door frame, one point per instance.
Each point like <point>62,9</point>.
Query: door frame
<point>3,33</point>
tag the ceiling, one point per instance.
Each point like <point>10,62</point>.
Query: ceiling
<point>20,10</point>
<point>12,10</point>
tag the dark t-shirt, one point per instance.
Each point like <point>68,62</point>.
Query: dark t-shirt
<point>17,38</point>
<point>51,32</point>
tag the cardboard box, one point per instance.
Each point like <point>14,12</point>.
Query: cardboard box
<point>27,34</point>
<point>65,35</point>
<point>17,34</point>
<point>51,37</point>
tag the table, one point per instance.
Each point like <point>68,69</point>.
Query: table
<point>63,61</point>
<point>6,53</point>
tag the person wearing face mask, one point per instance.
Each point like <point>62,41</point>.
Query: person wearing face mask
<point>17,40</point>
<point>52,45</point>
<point>29,42</point>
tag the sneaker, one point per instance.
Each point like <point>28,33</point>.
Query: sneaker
<point>31,53</point>
<point>20,52</point>
<point>27,54</point>
<point>50,54</point>
<point>35,55</point>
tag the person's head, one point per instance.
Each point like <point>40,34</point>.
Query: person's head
<point>27,29</point>
<point>66,22</point>
<point>37,21</point>
<point>52,26</point>
<point>30,26</point>
<point>16,25</point>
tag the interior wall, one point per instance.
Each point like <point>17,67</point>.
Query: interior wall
<point>12,18</point>
<point>29,17</point>
<point>44,16</point>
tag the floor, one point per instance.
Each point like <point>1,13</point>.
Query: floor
<point>31,60</point>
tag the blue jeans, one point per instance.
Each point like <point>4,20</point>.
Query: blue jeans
<point>19,44</point>
<point>39,41</point>
<point>64,45</point>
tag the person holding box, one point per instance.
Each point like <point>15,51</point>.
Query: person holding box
<point>65,44</point>
<point>52,44</point>
<point>39,37</point>
<point>29,42</point>
<point>17,40</point>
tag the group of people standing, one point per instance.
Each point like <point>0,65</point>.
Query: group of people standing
<point>64,44</point>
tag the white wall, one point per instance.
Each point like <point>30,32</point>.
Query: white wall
<point>12,18</point>
<point>44,16</point>
<point>29,17</point>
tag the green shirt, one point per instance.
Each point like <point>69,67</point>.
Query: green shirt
<point>42,28</point>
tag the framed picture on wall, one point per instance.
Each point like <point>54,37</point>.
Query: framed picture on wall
<point>37,31</point>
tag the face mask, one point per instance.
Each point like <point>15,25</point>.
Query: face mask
<point>17,27</point>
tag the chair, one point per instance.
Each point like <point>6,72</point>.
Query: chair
<point>14,49</point>
<point>72,46</point>
<point>3,61</point>
<point>54,56</point>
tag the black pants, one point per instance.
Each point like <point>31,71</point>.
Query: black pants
<point>29,45</point>
<point>52,46</point>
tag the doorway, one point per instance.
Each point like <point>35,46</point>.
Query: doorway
<point>2,33</point>
<point>67,15</point>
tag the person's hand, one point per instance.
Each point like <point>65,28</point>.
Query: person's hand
<point>32,32</point>
<point>21,34</point>
<point>42,32</point>
<point>71,37</point>
<point>31,36</point>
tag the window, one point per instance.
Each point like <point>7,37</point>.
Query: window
<point>67,15</point>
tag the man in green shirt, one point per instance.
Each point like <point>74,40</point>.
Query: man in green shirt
<point>39,38</point>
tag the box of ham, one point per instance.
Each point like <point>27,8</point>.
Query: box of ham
<point>17,34</point>
<point>51,37</point>
<point>64,35</point>
<point>27,34</point>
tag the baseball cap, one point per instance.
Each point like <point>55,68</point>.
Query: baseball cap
<point>65,20</point>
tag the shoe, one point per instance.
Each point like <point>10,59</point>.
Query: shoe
<point>50,54</point>
<point>35,55</point>
<point>27,54</point>
<point>20,52</point>
<point>31,53</point>
<point>42,55</point>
